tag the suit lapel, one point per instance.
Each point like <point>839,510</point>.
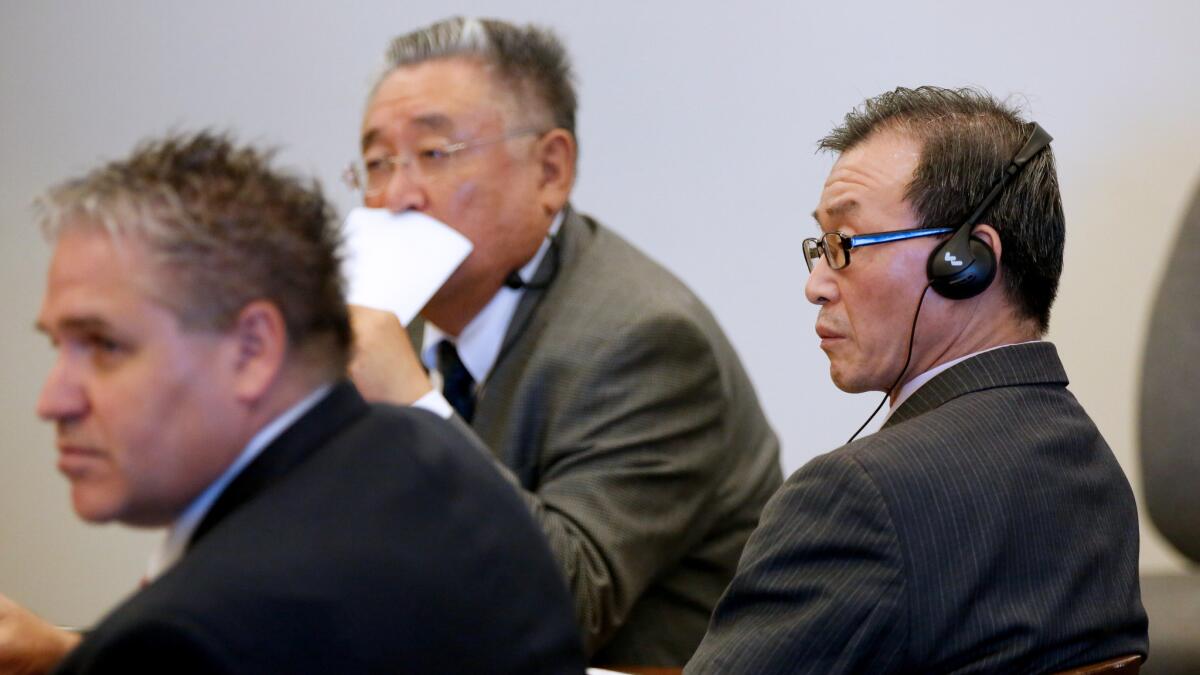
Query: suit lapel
<point>556,266</point>
<point>341,405</point>
<point>548,272</point>
<point>1029,363</point>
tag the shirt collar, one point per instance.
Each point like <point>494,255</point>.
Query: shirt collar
<point>917,382</point>
<point>480,341</point>
<point>172,547</point>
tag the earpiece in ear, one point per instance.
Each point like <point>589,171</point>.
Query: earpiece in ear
<point>957,274</point>
<point>964,265</point>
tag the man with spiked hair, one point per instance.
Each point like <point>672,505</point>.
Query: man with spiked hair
<point>987,527</point>
<point>195,304</point>
<point>604,388</point>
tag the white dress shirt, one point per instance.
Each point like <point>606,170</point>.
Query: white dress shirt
<point>172,547</point>
<point>480,341</point>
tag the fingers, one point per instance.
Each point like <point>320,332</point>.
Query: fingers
<point>385,367</point>
<point>28,644</point>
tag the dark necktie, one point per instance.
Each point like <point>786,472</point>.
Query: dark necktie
<point>457,384</point>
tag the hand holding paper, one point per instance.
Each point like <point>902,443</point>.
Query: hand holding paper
<point>397,262</point>
<point>394,264</point>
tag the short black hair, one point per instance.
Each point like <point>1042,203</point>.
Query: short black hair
<point>967,138</point>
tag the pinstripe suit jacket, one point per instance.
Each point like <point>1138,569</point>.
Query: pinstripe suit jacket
<point>625,416</point>
<point>986,528</point>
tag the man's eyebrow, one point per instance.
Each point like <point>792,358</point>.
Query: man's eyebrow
<point>840,209</point>
<point>437,122</point>
<point>369,138</point>
<point>82,324</point>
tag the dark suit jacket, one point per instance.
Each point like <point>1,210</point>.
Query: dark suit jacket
<point>626,417</point>
<point>986,528</point>
<point>362,540</point>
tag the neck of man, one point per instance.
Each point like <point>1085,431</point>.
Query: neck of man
<point>294,382</point>
<point>460,300</point>
<point>988,322</point>
<point>453,314</point>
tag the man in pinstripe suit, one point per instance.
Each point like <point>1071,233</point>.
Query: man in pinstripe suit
<point>604,388</point>
<point>987,526</point>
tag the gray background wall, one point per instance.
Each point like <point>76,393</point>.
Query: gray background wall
<point>698,124</point>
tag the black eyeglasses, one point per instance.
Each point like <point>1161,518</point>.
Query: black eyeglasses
<point>836,246</point>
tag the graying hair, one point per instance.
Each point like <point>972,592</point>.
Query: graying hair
<point>224,228</point>
<point>530,60</point>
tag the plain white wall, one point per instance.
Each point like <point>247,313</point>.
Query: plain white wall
<point>698,123</point>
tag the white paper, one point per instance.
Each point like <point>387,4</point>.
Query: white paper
<point>396,262</point>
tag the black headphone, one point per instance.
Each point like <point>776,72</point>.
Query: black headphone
<point>964,265</point>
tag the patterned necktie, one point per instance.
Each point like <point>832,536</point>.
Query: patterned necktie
<point>457,384</point>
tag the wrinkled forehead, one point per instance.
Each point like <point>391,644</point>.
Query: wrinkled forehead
<point>872,176</point>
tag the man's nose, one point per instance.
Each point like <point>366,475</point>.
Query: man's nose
<point>404,191</point>
<point>821,287</point>
<point>62,396</point>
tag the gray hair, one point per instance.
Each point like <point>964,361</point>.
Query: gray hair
<point>530,60</point>
<point>225,229</point>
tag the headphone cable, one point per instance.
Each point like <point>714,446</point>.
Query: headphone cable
<point>515,282</point>
<point>912,334</point>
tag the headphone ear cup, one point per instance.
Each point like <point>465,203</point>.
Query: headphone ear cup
<point>968,281</point>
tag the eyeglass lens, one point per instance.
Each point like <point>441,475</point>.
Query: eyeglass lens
<point>835,251</point>
<point>812,251</point>
<point>830,245</point>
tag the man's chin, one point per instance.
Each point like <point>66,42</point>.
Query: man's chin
<point>852,388</point>
<point>839,378</point>
<point>91,511</point>
<point>848,383</point>
<point>102,509</point>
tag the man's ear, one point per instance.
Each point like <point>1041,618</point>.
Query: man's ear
<point>260,342</point>
<point>555,155</point>
<point>991,237</point>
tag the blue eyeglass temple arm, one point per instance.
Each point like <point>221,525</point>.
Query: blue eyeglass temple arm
<point>898,235</point>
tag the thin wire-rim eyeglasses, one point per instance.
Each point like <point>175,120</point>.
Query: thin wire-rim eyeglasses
<point>357,175</point>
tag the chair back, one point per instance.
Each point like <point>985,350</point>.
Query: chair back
<point>1122,665</point>
<point>1169,425</point>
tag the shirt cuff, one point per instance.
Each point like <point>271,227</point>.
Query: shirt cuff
<point>435,403</point>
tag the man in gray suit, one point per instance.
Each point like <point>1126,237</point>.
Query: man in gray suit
<point>604,388</point>
<point>987,526</point>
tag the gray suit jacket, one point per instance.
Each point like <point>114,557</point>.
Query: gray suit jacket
<point>986,528</point>
<point>624,414</point>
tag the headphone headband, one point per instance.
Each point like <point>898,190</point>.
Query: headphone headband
<point>963,266</point>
